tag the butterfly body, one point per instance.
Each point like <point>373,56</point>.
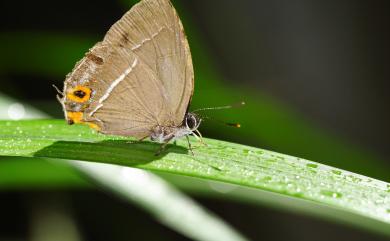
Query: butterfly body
<point>138,81</point>
<point>163,134</point>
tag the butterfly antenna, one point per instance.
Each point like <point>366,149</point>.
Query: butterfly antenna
<point>240,104</point>
<point>237,105</point>
<point>231,124</point>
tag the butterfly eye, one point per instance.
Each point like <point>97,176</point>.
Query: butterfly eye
<point>191,121</point>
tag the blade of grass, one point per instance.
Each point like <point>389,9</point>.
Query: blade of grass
<point>233,192</point>
<point>349,194</point>
<point>197,220</point>
<point>22,173</point>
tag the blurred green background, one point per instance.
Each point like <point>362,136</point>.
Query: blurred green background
<point>314,76</point>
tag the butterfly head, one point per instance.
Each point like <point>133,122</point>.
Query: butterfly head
<point>192,121</point>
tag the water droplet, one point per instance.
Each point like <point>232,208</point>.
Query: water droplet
<point>337,172</point>
<point>379,201</point>
<point>270,160</point>
<point>332,194</point>
<point>312,165</point>
<point>354,179</point>
<point>267,179</point>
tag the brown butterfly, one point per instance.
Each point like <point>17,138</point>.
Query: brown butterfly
<point>138,81</point>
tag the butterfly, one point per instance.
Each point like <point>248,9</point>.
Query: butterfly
<point>138,81</point>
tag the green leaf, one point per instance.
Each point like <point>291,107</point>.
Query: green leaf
<point>352,198</point>
<point>22,173</point>
<point>147,190</point>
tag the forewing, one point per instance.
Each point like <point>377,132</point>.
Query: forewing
<point>153,31</point>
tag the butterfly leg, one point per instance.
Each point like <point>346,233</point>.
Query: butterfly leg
<point>199,137</point>
<point>163,146</point>
<point>189,145</point>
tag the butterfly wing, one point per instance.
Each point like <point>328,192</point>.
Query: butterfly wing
<point>141,74</point>
<point>127,96</point>
<point>153,31</point>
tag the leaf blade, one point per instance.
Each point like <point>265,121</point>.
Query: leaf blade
<point>220,161</point>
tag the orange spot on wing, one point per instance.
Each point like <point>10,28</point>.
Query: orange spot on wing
<point>79,94</point>
<point>77,118</point>
<point>74,117</point>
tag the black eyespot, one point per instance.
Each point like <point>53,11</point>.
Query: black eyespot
<point>79,93</point>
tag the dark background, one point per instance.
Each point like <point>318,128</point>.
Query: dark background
<point>327,61</point>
